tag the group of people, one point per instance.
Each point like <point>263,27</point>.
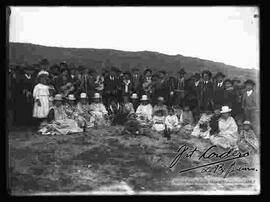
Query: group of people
<point>65,100</point>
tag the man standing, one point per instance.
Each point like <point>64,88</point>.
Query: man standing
<point>180,87</point>
<point>206,91</point>
<point>136,81</point>
<point>219,89</point>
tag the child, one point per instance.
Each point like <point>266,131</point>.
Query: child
<point>248,140</point>
<point>41,96</point>
<point>159,121</point>
<point>171,121</point>
<point>160,106</point>
<point>186,120</point>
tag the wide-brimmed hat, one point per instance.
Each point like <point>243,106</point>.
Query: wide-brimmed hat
<point>42,72</point>
<point>225,109</point>
<point>249,81</point>
<point>71,97</point>
<point>58,97</point>
<point>134,96</point>
<point>160,99</point>
<point>96,96</point>
<point>83,96</point>
<point>246,123</point>
<point>144,98</point>
<point>181,71</point>
<point>220,74</point>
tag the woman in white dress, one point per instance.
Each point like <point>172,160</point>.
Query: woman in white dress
<point>41,96</point>
<point>144,111</point>
<point>228,130</point>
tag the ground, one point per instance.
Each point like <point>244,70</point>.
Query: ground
<point>107,161</point>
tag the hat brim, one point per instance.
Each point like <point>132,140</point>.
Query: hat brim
<point>144,99</point>
<point>227,111</point>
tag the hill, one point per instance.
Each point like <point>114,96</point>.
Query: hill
<point>96,58</point>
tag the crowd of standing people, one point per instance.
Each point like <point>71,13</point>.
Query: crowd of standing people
<point>64,99</point>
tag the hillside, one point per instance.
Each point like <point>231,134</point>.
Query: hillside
<point>97,58</point>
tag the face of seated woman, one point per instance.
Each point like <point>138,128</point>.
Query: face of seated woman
<point>225,116</point>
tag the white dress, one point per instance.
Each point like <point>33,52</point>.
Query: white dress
<point>41,92</point>
<point>172,122</point>
<point>158,123</point>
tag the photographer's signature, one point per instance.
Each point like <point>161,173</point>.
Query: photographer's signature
<point>218,166</point>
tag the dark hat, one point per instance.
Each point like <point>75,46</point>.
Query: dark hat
<point>55,66</point>
<point>228,80</point>
<point>44,61</point>
<point>220,74</point>
<point>197,76</point>
<point>181,71</point>
<point>162,72</point>
<point>147,70</point>
<point>235,79</point>
<point>249,81</point>
<point>207,72</point>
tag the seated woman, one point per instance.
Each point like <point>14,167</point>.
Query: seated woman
<point>214,120</point>
<point>144,111</point>
<point>134,100</point>
<point>202,128</point>
<point>83,109</point>
<point>248,140</point>
<point>228,130</point>
<point>160,106</point>
<point>186,120</point>
<point>158,121</point>
<point>58,121</point>
<point>98,111</point>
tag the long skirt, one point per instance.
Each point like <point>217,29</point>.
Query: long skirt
<point>43,110</point>
<point>61,127</point>
<point>224,140</point>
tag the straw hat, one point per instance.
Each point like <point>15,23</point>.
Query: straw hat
<point>134,96</point>
<point>58,97</point>
<point>144,98</point>
<point>83,95</point>
<point>246,123</point>
<point>42,72</point>
<point>161,99</point>
<point>97,96</point>
<point>71,97</point>
<point>225,109</point>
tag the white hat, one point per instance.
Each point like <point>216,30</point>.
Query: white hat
<point>43,72</point>
<point>96,96</point>
<point>160,99</point>
<point>58,97</point>
<point>246,123</point>
<point>83,95</point>
<point>134,96</point>
<point>71,97</point>
<point>144,97</point>
<point>225,109</point>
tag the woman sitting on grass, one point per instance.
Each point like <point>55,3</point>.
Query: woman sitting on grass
<point>202,129</point>
<point>58,122</point>
<point>228,130</point>
<point>248,140</point>
<point>99,112</point>
<point>84,111</point>
<point>144,111</point>
<point>160,106</point>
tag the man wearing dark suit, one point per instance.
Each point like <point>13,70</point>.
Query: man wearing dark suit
<point>136,81</point>
<point>110,88</point>
<point>206,90</point>
<point>181,87</point>
<point>219,89</point>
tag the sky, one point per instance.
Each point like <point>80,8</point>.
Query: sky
<point>222,34</point>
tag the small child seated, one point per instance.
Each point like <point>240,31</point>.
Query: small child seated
<point>159,121</point>
<point>186,120</point>
<point>248,140</point>
<point>171,121</point>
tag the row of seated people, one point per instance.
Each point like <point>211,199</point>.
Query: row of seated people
<point>219,127</point>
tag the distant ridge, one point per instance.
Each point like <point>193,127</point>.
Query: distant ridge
<point>21,53</point>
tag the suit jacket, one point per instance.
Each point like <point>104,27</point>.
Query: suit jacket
<point>136,84</point>
<point>206,93</point>
<point>249,102</point>
<point>110,85</point>
<point>218,94</point>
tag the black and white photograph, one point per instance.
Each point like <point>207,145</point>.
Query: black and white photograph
<point>133,100</point>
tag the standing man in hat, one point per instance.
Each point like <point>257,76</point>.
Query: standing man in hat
<point>110,88</point>
<point>250,104</point>
<point>180,87</point>
<point>219,88</point>
<point>27,84</point>
<point>206,90</point>
<point>136,81</point>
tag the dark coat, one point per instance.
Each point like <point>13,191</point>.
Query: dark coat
<point>231,100</point>
<point>218,94</point>
<point>206,94</point>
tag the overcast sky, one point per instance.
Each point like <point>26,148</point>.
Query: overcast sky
<point>222,34</point>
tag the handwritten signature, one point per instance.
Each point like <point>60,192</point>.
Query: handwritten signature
<point>218,166</point>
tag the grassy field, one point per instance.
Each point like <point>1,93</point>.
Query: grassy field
<point>106,161</point>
